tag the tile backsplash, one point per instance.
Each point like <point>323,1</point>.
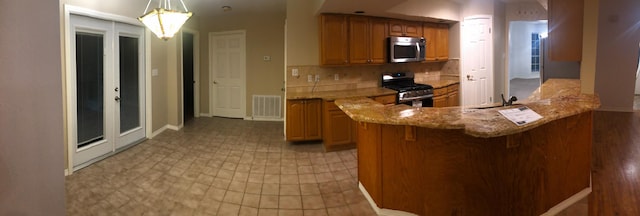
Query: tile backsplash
<point>353,77</point>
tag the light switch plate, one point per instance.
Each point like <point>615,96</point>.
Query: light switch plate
<point>317,77</point>
<point>266,58</point>
<point>309,78</point>
<point>336,77</point>
<point>154,72</point>
<point>294,72</point>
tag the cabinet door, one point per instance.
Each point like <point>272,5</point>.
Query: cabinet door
<point>442,42</point>
<point>387,99</point>
<point>453,99</point>
<point>396,28</point>
<point>565,30</point>
<point>413,29</point>
<point>313,119</point>
<point>359,36</point>
<point>333,39</point>
<point>295,120</point>
<point>440,101</point>
<point>431,37</point>
<point>378,43</point>
<point>340,129</point>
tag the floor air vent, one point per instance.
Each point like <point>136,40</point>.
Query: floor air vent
<point>267,107</point>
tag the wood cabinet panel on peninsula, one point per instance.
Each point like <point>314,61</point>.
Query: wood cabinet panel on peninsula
<point>446,96</point>
<point>367,40</point>
<point>334,40</point>
<point>304,120</point>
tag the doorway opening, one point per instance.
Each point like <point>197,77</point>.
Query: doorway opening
<point>526,56</point>
<point>188,78</point>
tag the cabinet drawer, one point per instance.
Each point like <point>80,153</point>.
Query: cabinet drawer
<point>453,88</point>
<point>386,99</point>
<point>439,91</point>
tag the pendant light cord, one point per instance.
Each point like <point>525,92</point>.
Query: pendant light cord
<point>167,4</point>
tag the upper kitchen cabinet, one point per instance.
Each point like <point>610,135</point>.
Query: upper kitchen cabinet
<point>405,28</point>
<point>334,40</point>
<point>367,39</point>
<point>437,37</point>
<point>565,30</point>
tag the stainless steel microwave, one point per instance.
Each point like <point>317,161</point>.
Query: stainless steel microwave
<point>406,49</point>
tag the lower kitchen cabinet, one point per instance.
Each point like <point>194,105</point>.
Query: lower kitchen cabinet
<point>446,96</point>
<point>339,130</point>
<point>304,120</point>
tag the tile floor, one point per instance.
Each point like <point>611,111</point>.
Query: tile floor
<point>218,166</point>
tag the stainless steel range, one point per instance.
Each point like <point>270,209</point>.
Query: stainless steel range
<point>409,92</point>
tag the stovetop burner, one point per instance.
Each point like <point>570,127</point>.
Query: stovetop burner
<point>407,89</point>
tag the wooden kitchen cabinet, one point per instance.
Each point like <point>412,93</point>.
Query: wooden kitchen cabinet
<point>405,28</point>
<point>446,96</point>
<point>304,120</point>
<point>565,30</point>
<point>367,40</point>
<point>339,130</point>
<point>437,41</point>
<point>334,40</point>
<point>452,95</point>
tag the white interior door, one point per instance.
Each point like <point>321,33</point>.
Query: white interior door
<point>477,61</point>
<point>105,88</point>
<point>228,72</point>
<point>129,85</point>
<point>90,98</point>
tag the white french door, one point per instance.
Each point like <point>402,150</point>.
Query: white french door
<point>105,88</point>
<point>228,69</point>
<point>477,61</point>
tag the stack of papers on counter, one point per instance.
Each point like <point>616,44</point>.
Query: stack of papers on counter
<point>521,115</point>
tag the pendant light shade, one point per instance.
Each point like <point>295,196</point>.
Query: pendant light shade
<point>164,21</point>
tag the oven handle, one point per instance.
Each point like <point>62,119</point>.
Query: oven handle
<point>417,98</point>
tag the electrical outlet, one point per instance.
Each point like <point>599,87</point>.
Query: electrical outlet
<point>266,58</point>
<point>294,72</point>
<point>336,77</point>
<point>309,78</point>
<point>317,77</point>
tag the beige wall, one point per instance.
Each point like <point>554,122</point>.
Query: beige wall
<point>264,37</point>
<point>303,42</point>
<point>31,133</point>
<point>617,54</point>
<point>589,47</point>
<point>499,49</point>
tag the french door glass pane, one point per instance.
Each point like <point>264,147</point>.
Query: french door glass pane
<point>129,84</point>
<point>90,87</point>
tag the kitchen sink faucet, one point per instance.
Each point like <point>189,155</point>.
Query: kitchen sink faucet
<point>510,102</point>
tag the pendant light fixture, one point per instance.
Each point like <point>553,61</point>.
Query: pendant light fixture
<point>165,21</point>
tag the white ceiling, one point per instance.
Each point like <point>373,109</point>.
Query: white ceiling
<point>214,7</point>
<point>372,7</point>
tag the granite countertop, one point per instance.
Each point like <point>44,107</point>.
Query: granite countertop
<point>555,99</point>
<point>442,82</point>
<point>338,94</point>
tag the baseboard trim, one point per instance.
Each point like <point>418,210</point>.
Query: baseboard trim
<point>173,127</point>
<point>251,118</point>
<point>568,202</point>
<point>382,211</point>
<point>164,128</point>
<point>205,115</point>
<point>66,172</point>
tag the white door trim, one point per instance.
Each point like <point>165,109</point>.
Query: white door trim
<point>67,11</point>
<point>243,101</point>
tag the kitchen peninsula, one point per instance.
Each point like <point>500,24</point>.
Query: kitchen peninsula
<point>466,161</point>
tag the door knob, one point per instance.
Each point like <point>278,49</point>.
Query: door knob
<point>214,82</point>
<point>469,77</point>
<point>117,98</point>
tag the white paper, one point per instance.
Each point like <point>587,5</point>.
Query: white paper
<point>417,103</point>
<point>521,115</point>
